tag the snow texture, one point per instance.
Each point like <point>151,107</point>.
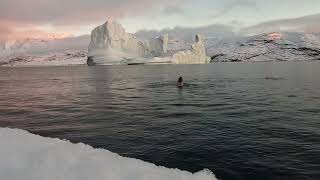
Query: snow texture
<point>111,44</point>
<point>32,157</point>
<point>111,36</point>
<point>40,46</point>
<point>37,52</point>
<point>197,54</point>
<point>65,58</point>
<point>277,46</point>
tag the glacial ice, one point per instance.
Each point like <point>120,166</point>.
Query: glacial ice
<point>197,54</point>
<point>111,44</point>
<point>32,157</point>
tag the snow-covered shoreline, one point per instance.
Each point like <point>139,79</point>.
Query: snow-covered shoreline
<point>32,157</point>
<point>64,58</point>
<point>276,46</point>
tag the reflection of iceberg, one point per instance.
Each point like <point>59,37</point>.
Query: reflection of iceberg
<point>111,44</point>
<point>28,156</point>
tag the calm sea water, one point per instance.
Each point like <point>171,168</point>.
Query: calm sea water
<point>240,120</point>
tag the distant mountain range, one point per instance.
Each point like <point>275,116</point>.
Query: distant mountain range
<point>67,51</point>
<point>277,46</point>
<point>39,46</point>
<point>281,40</point>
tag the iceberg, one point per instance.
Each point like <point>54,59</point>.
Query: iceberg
<point>197,54</point>
<point>111,44</point>
<point>159,45</point>
<point>112,35</point>
<point>32,157</point>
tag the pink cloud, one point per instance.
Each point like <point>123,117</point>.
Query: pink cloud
<point>76,11</point>
<point>10,30</point>
<point>21,14</point>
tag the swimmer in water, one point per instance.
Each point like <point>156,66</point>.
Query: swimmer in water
<point>180,82</point>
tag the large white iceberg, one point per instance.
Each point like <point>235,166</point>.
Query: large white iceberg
<point>31,157</point>
<point>197,54</point>
<point>112,35</point>
<point>111,44</point>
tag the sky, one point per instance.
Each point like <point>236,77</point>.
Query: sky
<point>61,18</point>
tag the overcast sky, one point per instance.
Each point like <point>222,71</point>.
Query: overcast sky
<point>80,16</point>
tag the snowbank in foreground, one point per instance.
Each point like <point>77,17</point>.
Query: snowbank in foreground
<point>31,157</point>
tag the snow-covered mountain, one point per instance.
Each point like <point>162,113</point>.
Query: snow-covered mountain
<point>284,46</point>
<point>67,51</point>
<point>63,58</point>
<point>276,46</point>
<point>20,46</point>
<point>38,46</point>
<point>279,40</point>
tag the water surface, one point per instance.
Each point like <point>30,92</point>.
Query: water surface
<point>240,120</point>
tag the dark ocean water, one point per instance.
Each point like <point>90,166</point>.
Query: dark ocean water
<point>240,120</point>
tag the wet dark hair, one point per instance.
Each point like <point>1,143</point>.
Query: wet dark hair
<point>180,79</point>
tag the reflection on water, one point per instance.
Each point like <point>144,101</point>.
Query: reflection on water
<point>242,121</point>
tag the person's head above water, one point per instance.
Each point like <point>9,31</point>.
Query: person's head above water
<point>180,82</point>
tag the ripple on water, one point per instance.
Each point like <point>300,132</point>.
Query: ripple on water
<point>229,118</point>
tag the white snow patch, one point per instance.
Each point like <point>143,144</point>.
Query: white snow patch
<point>64,58</point>
<point>32,157</point>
